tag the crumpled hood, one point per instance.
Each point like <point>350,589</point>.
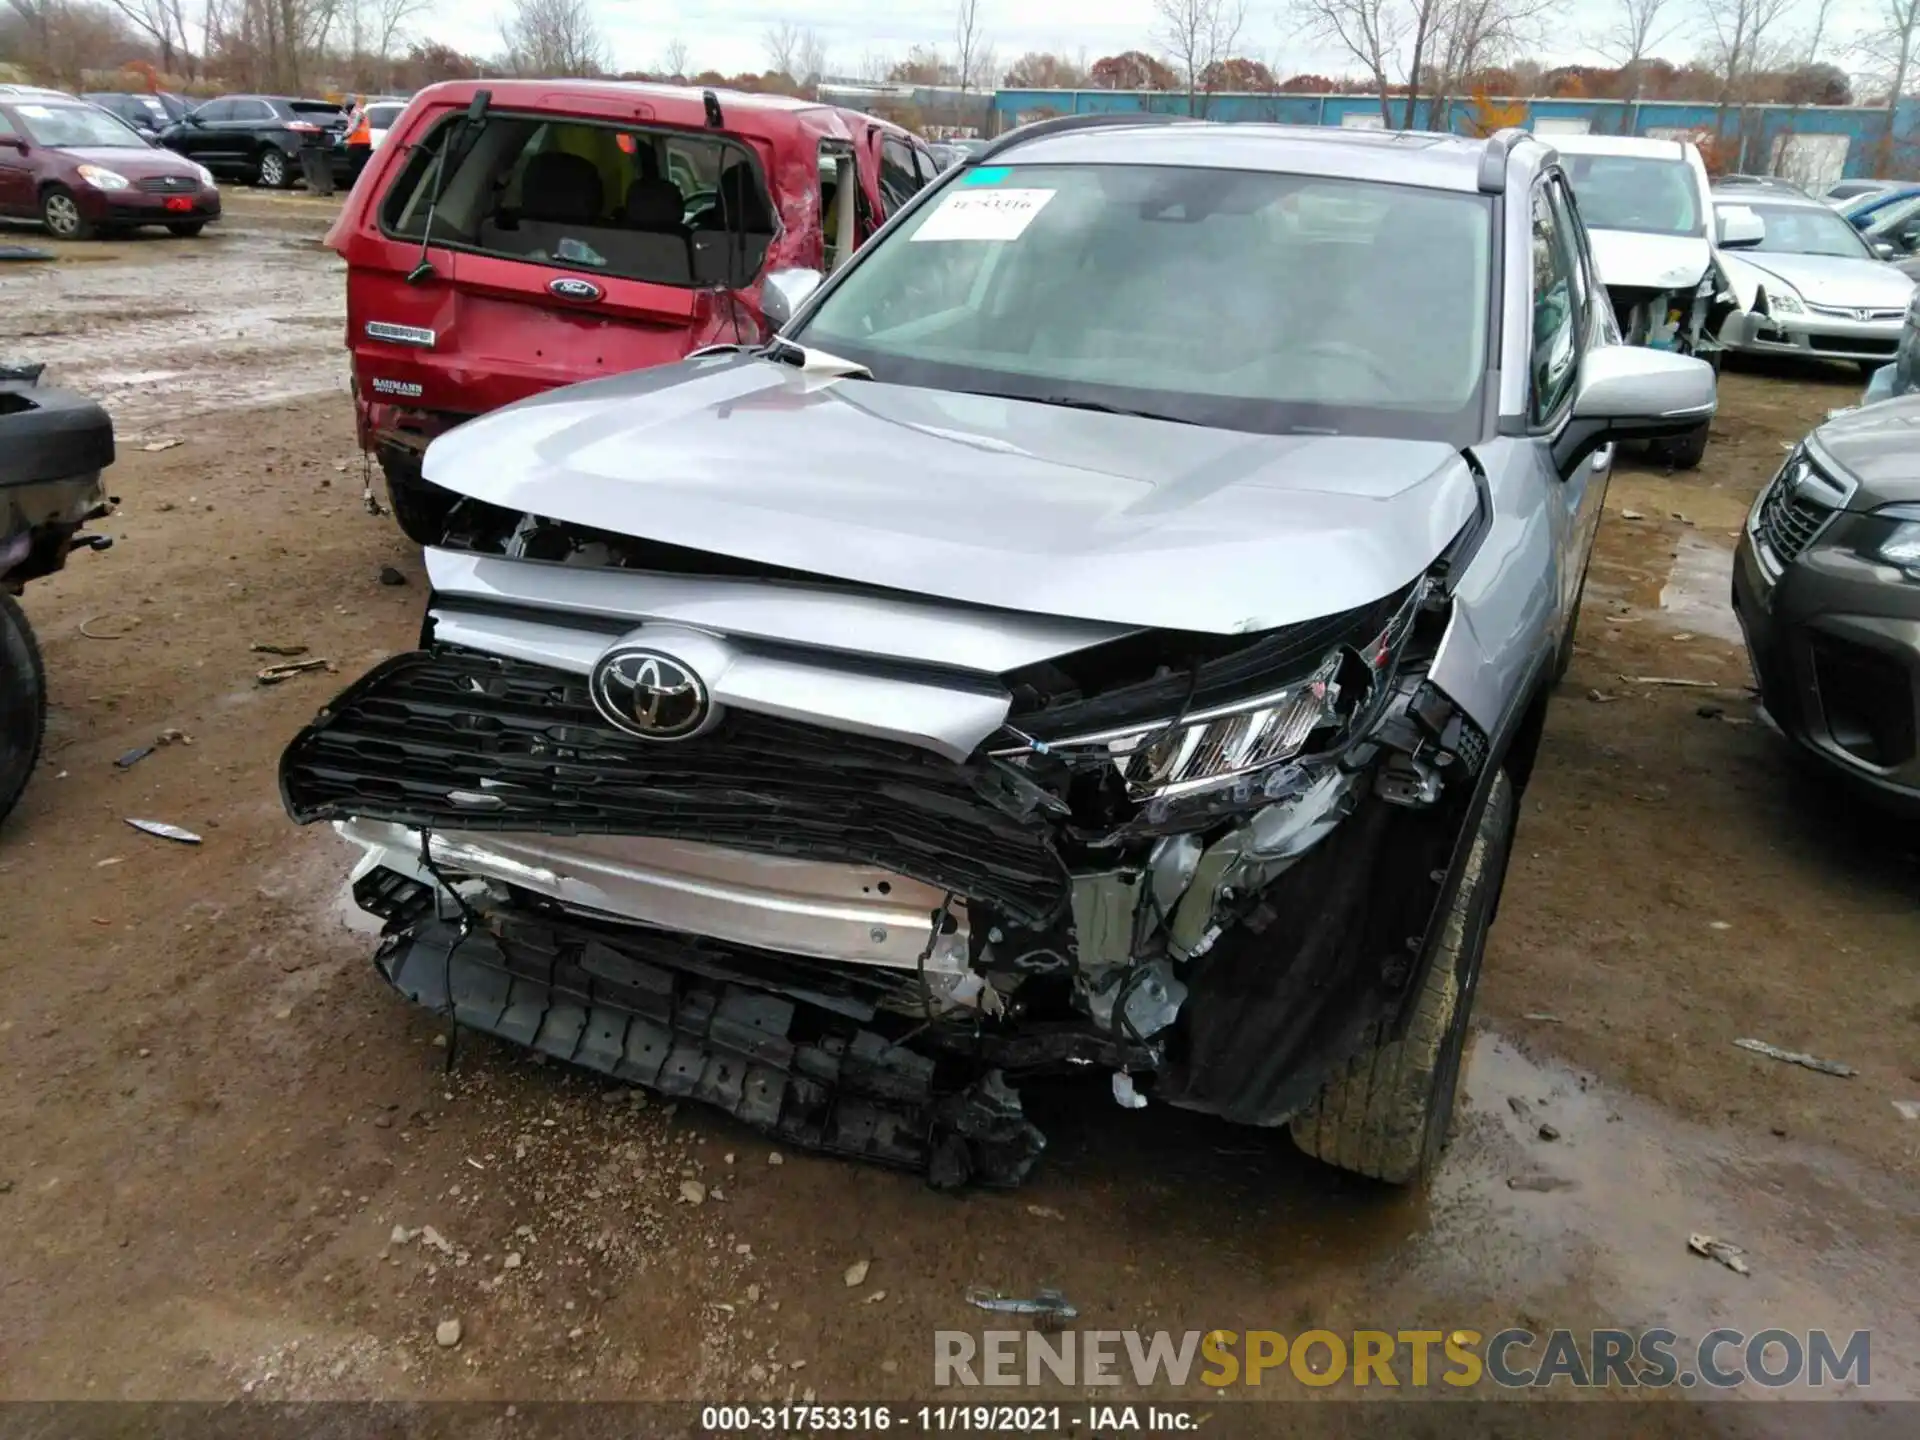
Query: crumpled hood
<point>1824,279</point>
<point>1650,262</point>
<point>974,499</point>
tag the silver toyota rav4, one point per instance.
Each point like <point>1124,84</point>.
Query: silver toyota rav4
<point>1109,629</point>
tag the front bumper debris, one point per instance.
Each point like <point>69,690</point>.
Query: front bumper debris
<point>860,945</point>
<point>807,1074</point>
<point>1831,335</point>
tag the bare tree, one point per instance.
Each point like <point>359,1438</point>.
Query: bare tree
<point>969,45</point>
<point>390,19</point>
<point>163,22</point>
<point>1817,36</point>
<point>1198,34</point>
<point>811,57</point>
<point>1888,48</point>
<point>673,59</point>
<point>1469,35</point>
<point>554,37</point>
<point>1739,35</point>
<point>1370,31</point>
<point>782,44</point>
<point>1630,40</point>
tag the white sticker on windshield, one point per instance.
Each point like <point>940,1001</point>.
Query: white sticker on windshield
<point>982,214</point>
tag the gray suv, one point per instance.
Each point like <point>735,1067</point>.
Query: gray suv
<point>1109,629</point>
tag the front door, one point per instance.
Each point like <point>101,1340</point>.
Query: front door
<point>16,174</point>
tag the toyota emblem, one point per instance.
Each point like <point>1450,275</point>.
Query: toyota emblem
<point>568,288</point>
<point>649,694</point>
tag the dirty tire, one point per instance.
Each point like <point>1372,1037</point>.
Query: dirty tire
<point>1684,452</point>
<point>420,506</point>
<point>23,702</point>
<point>186,229</point>
<point>1384,1113</point>
<point>60,213</point>
<point>274,172</point>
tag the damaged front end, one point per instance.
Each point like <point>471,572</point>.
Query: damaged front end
<point>653,813</point>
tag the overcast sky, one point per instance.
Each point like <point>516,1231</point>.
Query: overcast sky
<point>727,34</point>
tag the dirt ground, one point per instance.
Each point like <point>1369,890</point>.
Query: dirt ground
<point>215,1115</point>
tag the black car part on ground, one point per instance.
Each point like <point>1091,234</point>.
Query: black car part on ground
<point>1315,955</point>
<point>53,446</point>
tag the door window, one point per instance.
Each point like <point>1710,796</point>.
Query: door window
<point>6,126</point>
<point>214,111</point>
<point>251,111</point>
<point>1554,364</point>
<point>898,181</point>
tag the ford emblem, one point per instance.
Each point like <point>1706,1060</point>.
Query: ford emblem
<point>567,288</point>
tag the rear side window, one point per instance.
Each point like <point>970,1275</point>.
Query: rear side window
<point>661,206</point>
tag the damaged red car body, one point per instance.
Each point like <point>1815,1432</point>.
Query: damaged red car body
<point>517,235</point>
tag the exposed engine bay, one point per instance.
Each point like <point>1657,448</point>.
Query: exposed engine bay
<point>856,903</point>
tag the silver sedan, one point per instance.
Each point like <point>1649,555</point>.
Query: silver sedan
<point>1810,286</point>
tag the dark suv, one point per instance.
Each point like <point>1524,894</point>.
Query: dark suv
<point>256,138</point>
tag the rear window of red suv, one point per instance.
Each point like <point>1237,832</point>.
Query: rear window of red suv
<point>658,205</point>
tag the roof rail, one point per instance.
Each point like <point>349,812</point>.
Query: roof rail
<point>1058,124</point>
<point>1493,160</point>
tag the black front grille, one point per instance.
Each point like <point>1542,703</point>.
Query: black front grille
<point>167,185</point>
<point>453,739</point>
<point>1854,344</point>
<point>1789,519</point>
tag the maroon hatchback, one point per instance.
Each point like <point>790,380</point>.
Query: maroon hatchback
<point>80,171</point>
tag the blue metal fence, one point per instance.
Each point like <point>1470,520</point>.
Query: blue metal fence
<point>1751,136</point>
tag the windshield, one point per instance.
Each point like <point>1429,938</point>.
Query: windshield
<point>1806,230</point>
<point>72,126</point>
<point>1635,192</point>
<point>1237,299</point>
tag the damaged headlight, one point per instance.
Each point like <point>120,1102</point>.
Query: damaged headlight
<point>1194,753</point>
<point>1782,302</point>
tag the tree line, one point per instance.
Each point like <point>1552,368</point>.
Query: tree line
<point>1403,52</point>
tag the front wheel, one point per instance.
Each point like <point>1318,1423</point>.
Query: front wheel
<point>23,702</point>
<point>420,506</point>
<point>1384,1113</point>
<point>1686,451</point>
<point>274,172</point>
<point>60,213</point>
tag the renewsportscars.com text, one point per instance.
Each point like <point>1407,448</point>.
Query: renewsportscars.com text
<point>1508,1359</point>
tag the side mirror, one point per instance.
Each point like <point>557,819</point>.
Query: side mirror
<point>1630,392</point>
<point>1736,227</point>
<point>784,292</point>
<point>1884,249</point>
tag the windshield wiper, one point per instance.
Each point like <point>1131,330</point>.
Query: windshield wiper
<point>1072,402</point>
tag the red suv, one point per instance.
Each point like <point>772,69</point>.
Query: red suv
<point>516,235</point>
<point>79,170</point>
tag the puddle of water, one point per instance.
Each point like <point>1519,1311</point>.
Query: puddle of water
<point>1695,597</point>
<point>247,323</point>
<point>1829,1244</point>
